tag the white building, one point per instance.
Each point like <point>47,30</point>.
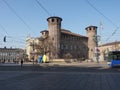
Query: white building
<point>10,54</point>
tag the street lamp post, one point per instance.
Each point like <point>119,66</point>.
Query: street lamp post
<point>33,50</point>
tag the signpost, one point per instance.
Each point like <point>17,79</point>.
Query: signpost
<point>33,54</point>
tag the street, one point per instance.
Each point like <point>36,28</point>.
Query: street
<point>60,77</point>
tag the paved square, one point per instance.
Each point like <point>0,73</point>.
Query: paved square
<point>59,78</point>
<point>76,76</point>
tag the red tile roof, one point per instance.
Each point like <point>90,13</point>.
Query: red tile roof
<point>71,33</point>
<point>68,32</point>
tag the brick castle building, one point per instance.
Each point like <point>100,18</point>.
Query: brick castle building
<point>62,43</point>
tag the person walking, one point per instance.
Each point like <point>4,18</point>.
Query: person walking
<point>21,63</point>
<point>40,59</point>
<point>44,58</point>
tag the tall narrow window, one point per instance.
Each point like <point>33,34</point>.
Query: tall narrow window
<point>57,20</point>
<point>52,20</point>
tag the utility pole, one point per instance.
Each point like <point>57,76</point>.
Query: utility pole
<point>96,39</point>
<point>33,47</point>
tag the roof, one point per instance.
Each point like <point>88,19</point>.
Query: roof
<point>71,33</point>
<point>90,26</point>
<point>111,43</point>
<point>44,31</point>
<point>54,17</point>
<point>10,49</point>
<point>67,32</point>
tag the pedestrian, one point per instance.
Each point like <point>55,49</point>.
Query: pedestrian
<point>44,58</point>
<point>21,63</point>
<point>4,61</point>
<point>41,58</point>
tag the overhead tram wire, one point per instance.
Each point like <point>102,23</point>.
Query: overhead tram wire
<point>3,28</point>
<point>113,33</point>
<point>18,15</point>
<point>38,2</point>
<point>8,36</point>
<point>21,17</point>
<point>101,13</point>
<point>105,18</point>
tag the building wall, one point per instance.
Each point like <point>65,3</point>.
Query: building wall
<point>66,44</point>
<point>105,48</point>
<point>31,49</point>
<point>10,55</point>
<point>73,46</point>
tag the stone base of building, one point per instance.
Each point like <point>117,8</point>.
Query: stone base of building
<point>65,60</point>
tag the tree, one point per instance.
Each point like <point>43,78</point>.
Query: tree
<point>45,45</point>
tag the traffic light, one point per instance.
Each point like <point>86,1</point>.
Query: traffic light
<point>4,39</point>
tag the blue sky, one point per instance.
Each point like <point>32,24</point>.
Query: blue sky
<point>76,15</point>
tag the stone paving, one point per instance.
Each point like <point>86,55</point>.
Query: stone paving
<point>60,77</point>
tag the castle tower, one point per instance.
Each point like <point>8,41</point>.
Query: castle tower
<point>44,33</point>
<point>91,34</point>
<point>54,27</point>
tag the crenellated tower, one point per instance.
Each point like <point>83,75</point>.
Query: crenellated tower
<point>91,34</point>
<point>54,27</point>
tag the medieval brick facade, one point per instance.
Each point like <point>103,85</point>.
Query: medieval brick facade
<point>62,43</point>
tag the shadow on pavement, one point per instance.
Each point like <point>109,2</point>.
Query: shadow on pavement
<point>59,68</point>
